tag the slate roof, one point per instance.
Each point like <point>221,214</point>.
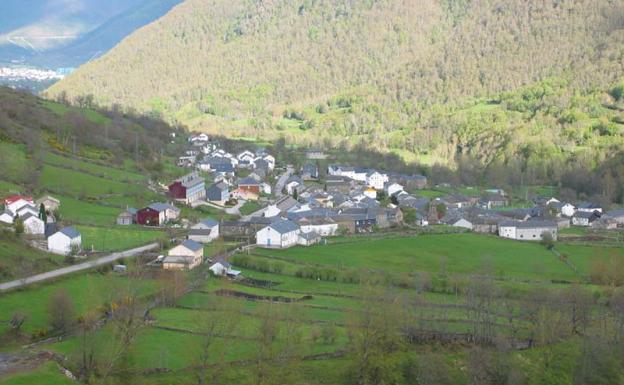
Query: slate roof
<point>284,226</point>
<point>248,182</point>
<point>205,232</point>
<point>192,245</point>
<point>529,224</point>
<point>209,222</point>
<point>588,205</point>
<point>615,213</point>
<point>159,206</point>
<point>70,232</point>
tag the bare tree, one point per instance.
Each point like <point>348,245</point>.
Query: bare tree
<point>61,311</point>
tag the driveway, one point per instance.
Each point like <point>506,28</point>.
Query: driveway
<point>105,260</point>
<point>281,181</point>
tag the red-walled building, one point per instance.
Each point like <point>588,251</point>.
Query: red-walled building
<point>250,185</point>
<point>177,191</point>
<point>189,188</point>
<point>148,217</point>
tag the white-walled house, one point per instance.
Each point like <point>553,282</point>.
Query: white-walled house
<point>27,209</point>
<point>589,207</point>
<point>370,192</point>
<point>392,188</point>
<point>7,217</point>
<point>33,225</point>
<point>281,234</point>
<point>223,268</point>
<point>527,230</point>
<point>584,218</point>
<point>376,180</point>
<point>309,239</point>
<point>64,241</point>
<point>16,202</point>
<point>185,256</point>
<point>325,227</point>
<point>205,231</point>
<point>462,222</point>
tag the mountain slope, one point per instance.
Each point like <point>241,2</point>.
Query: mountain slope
<point>391,72</point>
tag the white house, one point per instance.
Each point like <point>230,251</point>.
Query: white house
<point>16,202</point>
<point>281,234</point>
<point>589,207</point>
<point>7,217</point>
<point>462,222</point>
<point>370,192</point>
<point>33,225</point>
<point>185,256</point>
<point>223,268</point>
<point>392,188</point>
<point>246,156</point>
<point>64,241</point>
<point>27,209</point>
<point>527,230</point>
<point>376,180</point>
<point>294,183</point>
<point>325,227</point>
<point>584,218</point>
<point>308,239</point>
<point>205,231</point>
<point>266,188</point>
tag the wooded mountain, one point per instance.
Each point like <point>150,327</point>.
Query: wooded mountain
<point>429,79</point>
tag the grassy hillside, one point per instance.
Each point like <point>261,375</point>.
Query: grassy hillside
<point>291,328</point>
<point>426,79</point>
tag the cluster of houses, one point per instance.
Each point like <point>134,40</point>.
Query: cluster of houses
<point>488,215</point>
<point>206,155</point>
<point>39,222</point>
<point>156,214</point>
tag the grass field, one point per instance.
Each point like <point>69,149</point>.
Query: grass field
<point>92,168</point>
<point>18,259</point>
<point>117,238</point>
<point>249,207</point>
<point>47,373</point>
<point>88,292</point>
<point>76,183</point>
<point>455,253</point>
<point>308,307</point>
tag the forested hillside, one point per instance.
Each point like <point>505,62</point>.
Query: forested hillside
<point>110,137</point>
<point>431,80</point>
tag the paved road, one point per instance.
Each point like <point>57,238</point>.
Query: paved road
<point>281,181</point>
<point>75,268</point>
<point>235,210</point>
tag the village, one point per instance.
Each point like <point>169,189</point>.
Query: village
<point>303,206</point>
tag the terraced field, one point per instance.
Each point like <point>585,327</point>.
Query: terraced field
<point>321,314</point>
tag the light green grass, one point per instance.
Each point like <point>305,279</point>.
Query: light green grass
<point>80,184</point>
<point>249,207</point>
<point>92,168</point>
<point>17,259</point>
<point>117,238</point>
<point>78,211</point>
<point>48,374</point>
<point>87,291</point>
<point>456,253</point>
